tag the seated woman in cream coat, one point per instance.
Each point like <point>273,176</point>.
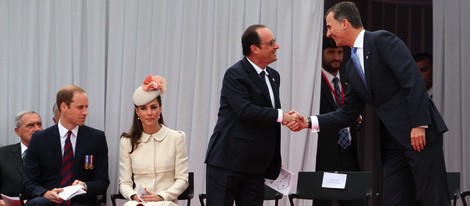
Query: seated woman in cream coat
<point>152,157</point>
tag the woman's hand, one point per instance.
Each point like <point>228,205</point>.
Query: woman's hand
<point>151,197</point>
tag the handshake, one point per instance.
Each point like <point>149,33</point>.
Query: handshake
<point>294,120</point>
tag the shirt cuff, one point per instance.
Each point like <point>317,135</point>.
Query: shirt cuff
<point>279,115</point>
<point>315,126</point>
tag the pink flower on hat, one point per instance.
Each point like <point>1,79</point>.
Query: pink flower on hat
<point>154,83</point>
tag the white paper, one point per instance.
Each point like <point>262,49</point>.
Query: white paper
<point>334,180</point>
<point>140,191</point>
<point>283,182</point>
<point>71,191</point>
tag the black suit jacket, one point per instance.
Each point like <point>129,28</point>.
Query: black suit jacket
<point>330,157</point>
<point>11,168</point>
<point>394,88</point>
<point>246,137</point>
<point>43,163</point>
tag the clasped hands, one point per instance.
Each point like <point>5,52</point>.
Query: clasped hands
<point>294,121</point>
<point>147,197</point>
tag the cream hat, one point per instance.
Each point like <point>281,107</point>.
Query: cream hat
<point>153,87</point>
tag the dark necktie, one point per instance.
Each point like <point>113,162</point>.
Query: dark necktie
<point>24,154</point>
<point>263,77</point>
<point>67,163</point>
<point>343,139</point>
<point>358,67</point>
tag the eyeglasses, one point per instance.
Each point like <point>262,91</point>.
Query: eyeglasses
<point>270,43</point>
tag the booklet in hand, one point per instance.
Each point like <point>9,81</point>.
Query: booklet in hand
<point>11,201</point>
<point>71,191</point>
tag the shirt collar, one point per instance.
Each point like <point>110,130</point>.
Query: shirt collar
<point>23,147</point>
<point>329,76</point>
<point>359,43</point>
<point>157,136</point>
<point>63,131</point>
<point>257,68</point>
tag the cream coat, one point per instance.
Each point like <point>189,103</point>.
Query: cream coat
<point>159,163</point>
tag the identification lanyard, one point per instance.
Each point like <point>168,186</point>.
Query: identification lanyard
<point>340,104</point>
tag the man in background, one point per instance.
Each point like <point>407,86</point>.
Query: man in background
<point>11,156</point>
<point>424,62</point>
<point>67,153</point>
<point>56,113</point>
<point>337,149</point>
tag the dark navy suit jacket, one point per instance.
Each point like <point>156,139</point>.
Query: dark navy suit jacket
<point>11,168</point>
<point>43,161</point>
<point>246,137</point>
<point>394,88</point>
<point>330,157</point>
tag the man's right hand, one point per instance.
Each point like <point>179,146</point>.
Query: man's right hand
<point>53,195</point>
<point>296,124</point>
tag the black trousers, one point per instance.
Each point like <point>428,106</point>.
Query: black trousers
<point>411,176</point>
<point>224,187</point>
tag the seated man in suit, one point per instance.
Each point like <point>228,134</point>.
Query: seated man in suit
<point>55,111</point>
<point>68,153</point>
<point>11,156</point>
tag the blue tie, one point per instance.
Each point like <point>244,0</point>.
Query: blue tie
<point>343,139</point>
<point>358,67</point>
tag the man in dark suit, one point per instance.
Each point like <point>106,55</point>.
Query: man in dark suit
<point>332,155</point>
<point>245,145</point>
<point>424,62</point>
<point>383,74</point>
<point>45,174</point>
<point>11,156</point>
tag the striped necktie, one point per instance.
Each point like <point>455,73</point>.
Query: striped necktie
<point>343,139</point>
<point>67,165</point>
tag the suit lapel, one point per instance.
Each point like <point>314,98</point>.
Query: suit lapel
<point>260,83</point>
<point>366,55</point>
<point>15,157</point>
<point>79,147</point>
<point>275,88</point>
<point>327,94</point>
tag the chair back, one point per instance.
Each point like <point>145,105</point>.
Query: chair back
<point>269,194</point>
<point>453,181</point>
<point>463,197</point>
<point>188,194</point>
<point>358,186</point>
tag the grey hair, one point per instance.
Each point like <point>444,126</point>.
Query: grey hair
<point>20,115</point>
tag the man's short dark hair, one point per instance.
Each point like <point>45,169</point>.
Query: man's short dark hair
<point>328,43</point>
<point>251,37</point>
<point>423,56</point>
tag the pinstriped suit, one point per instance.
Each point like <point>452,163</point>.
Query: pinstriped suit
<point>396,90</point>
